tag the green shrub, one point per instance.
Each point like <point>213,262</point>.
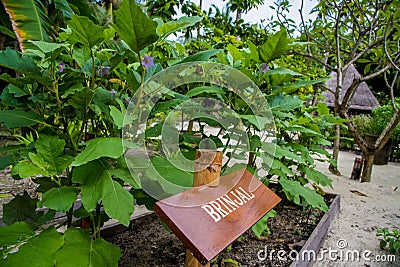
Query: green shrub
<point>390,238</point>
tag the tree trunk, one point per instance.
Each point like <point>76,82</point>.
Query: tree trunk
<point>199,25</point>
<point>367,168</point>
<point>238,15</point>
<point>335,153</point>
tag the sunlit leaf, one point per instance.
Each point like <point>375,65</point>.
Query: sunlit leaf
<point>50,155</point>
<point>282,103</point>
<point>37,251</point>
<point>300,194</point>
<point>97,184</point>
<point>84,31</point>
<point>81,251</point>
<point>13,234</point>
<point>212,89</point>
<point>181,23</point>
<point>134,27</point>
<point>60,199</point>
<point>261,227</point>
<point>201,56</point>
<point>100,147</point>
<point>276,45</point>
<point>47,47</point>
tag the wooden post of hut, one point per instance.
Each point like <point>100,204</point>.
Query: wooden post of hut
<point>357,168</point>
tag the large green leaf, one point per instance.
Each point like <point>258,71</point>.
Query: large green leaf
<point>172,26</point>
<point>28,21</point>
<point>60,199</point>
<point>316,176</point>
<point>27,169</point>
<point>125,175</point>
<point>13,234</point>
<point>117,201</point>
<point>50,155</point>
<point>259,122</point>
<point>91,176</point>
<point>253,55</point>
<point>100,147</point>
<point>18,118</point>
<point>283,151</point>
<point>301,129</point>
<point>285,103</point>
<point>84,31</point>
<point>235,52</point>
<point>134,27</point>
<point>201,56</point>
<point>47,47</point>
<point>292,87</point>
<point>97,184</point>
<point>19,62</point>
<point>282,71</point>
<point>79,250</point>
<point>168,171</point>
<point>210,89</point>
<point>275,46</point>
<point>37,251</point>
<point>21,208</point>
<point>278,165</point>
<point>117,116</point>
<point>64,7</point>
<point>296,192</point>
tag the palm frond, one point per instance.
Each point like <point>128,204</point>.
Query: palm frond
<point>28,20</point>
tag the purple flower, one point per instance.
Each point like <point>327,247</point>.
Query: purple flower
<point>113,93</point>
<point>103,71</point>
<point>264,67</point>
<point>148,62</point>
<point>61,66</point>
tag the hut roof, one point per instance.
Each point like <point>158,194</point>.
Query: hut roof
<point>363,98</point>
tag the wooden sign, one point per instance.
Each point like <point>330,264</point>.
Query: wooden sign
<point>207,219</point>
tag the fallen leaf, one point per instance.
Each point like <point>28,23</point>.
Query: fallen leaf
<point>358,193</point>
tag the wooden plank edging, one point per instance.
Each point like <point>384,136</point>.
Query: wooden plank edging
<point>315,240</point>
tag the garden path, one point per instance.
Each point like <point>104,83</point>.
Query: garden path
<point>365,207</point>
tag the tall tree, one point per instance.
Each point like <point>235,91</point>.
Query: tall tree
<point>347,33</point>
<point>243,6</point>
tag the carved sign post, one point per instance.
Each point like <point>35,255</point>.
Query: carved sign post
<point>210,216</point>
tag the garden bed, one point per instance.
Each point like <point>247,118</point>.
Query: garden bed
<point>146,243</point>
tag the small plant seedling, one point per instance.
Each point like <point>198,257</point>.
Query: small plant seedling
<point>261,227</point>
<point>214,260</point>
<point>230,263</point>
<point>391,238</point>
<point>240,238</point>
<point>297,232</point>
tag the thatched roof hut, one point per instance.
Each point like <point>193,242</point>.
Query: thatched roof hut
<point>363,100</point>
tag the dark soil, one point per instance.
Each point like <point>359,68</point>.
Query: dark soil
<point>147,243</point>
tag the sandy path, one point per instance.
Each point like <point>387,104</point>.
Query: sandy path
<point>360,216</point>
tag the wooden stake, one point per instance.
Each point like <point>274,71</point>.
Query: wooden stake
<point>207,169</point>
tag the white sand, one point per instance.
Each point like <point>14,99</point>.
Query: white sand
<point>360,216</point>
